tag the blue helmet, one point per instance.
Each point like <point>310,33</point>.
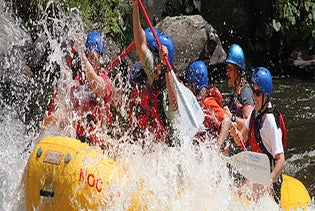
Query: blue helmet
<point>94,42</point>
<point>137,74</point>
<point>150,38</point>
<point>164,40</point>
<point>236,56</point>
<point>198,74</point>
<point>262,78</point>
<point>134,72</point>
<point>168,42</point>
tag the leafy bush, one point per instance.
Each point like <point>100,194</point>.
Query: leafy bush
<point>295,20</point>
<point>181,7</point>
<point>113,17</point>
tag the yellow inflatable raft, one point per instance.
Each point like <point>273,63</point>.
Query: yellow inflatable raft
<point>293,194</point>
<point>64,174</point>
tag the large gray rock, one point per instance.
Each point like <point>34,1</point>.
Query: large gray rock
<point>303,62</point>
<point>194,38</point>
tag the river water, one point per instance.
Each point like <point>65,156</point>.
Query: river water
<point>294,97</point>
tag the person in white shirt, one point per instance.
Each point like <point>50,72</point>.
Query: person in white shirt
<point>261,132</point>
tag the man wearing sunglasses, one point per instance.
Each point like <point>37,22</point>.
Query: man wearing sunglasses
<point>262,133</point>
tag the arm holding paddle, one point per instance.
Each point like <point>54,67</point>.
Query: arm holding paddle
<point>265,137</point>
<point>242,137</point>
<point>260,179</point>
<point>153,69</point>
<point>138,33</point>
<point>182,99</point>
<point>170,84</point>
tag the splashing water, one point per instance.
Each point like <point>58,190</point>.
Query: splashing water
<point>186,178</point>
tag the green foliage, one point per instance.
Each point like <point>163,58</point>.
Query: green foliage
<point>181,7</point>
<point>295,20</point>
<point>113,17</point>
<point>276,25</point>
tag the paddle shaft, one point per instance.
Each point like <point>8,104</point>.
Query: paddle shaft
<point>120,56</point>
<point>153,32</point>
<point>239,139</point>
<point>242,142</point>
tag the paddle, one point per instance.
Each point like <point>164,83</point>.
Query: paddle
<point>120,56</point>
<point>254,166</point>
<point>190,111</point>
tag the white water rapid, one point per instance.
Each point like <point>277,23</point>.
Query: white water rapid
<point>185,178</point>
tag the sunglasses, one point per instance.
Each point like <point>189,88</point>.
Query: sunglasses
<point>257,92</point>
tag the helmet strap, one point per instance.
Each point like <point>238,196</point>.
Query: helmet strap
<point>238,79</point>
<point>263,104</point>
<point>238,84</point>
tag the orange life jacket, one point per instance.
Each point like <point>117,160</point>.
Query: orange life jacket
<point>212,105</point>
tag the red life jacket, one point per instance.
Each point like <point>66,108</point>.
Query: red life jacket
<point>91,110</point>
<point>157,118</point>
<point>252,139</point>
<point>211,104</point>
<point>139,108</point>
<point>254,143</point>
<point>280,124</point>
<point>214,92</point>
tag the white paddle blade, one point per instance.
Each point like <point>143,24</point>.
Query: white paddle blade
<point>252,165</point>
<point>190,111</point>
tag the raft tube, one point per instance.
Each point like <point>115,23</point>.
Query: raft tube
<point>64,174</point>
<point>293,194</point>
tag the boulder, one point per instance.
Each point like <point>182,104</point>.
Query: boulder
<point>194,39</point>
<point>302,62</point>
